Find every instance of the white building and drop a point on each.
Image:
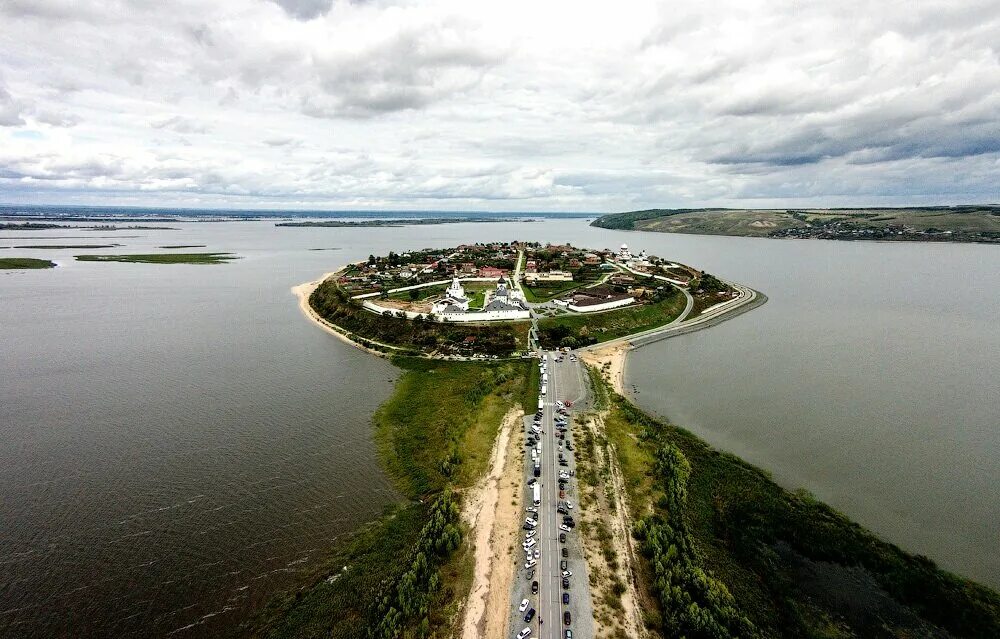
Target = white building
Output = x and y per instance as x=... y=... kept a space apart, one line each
x=454 y=300
x=502 y=304
x=595 y=305
x=551 y=276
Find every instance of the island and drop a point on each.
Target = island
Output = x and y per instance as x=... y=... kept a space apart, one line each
x=21 y=263
x=423 y=221
x=162 y=258
x=922 y=224
x=505 y=345
x=501 y=299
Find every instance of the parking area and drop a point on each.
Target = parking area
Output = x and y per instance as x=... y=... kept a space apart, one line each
x=551 y=574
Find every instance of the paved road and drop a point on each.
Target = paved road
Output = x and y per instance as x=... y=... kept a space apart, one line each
x=565 y=381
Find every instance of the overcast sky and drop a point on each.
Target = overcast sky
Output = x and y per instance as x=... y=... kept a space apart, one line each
x=540 y=105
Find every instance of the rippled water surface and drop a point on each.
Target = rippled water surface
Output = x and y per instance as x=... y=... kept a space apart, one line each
x=177 y=443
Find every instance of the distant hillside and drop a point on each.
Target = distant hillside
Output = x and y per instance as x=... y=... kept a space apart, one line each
x=941 y=223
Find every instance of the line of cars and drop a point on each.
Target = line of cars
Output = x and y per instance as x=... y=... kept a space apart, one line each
x=531 y=523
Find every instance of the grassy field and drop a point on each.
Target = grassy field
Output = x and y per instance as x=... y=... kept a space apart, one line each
x=18 y=263
x=793 y=566
x=422 y=293
x=434 y=434
x=964 y=222
x=162 y=258
x=546 y=291
x=601 y=327
x=439 y=425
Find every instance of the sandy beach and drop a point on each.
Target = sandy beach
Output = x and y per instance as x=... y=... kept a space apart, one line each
x=610 y=360
x=303 y=291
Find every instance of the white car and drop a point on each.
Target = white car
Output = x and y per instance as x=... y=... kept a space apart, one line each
x=564 y=528
x=524 y=633
x=567 y=573
x=569 y=504
x=538 y=553
x=529 y=543
x=530 y=563
x=523 y=606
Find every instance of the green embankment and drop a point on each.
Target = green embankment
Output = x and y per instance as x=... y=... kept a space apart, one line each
x=729 y=553
x=405 y=575
x=11 y=263
x=585 y=329
x=162 y=258
x=335 y=305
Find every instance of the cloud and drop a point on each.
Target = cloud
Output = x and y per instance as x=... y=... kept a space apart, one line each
x=470 y=105
x=408 y=70
x=179 y=124
x=10 y=109
x=305 y=9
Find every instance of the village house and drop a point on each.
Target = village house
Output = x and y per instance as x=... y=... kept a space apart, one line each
x=551 y=276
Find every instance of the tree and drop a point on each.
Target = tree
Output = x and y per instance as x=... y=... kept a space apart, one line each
x=414 y=294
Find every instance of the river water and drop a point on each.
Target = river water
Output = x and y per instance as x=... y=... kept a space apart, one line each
x=177 y=443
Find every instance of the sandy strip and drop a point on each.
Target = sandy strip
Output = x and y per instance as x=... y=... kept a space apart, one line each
x=303 y=291
x=610 y=360
x=491 y=511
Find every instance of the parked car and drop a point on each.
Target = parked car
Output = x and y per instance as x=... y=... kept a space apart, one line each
x=524 y=633
x=562 y=538
x=564 y=527
x=565 y=551
x=569 y=634
x=534 y=587
x=567 y=573
x=530 y=563
x=567 y=618
x=563 y=565
x=565 y=583
x=565 y=598
x=523 y=606
x=528 y=616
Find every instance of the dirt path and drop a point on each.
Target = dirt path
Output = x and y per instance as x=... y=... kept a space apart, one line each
x=491 y=511
x=608 y=542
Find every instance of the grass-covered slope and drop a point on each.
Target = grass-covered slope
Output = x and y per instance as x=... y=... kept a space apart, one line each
x=729 y=553
x=932 y=223
x=590 y=328
x=405 y=575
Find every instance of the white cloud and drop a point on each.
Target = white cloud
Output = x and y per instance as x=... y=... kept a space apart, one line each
x=520 y=105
